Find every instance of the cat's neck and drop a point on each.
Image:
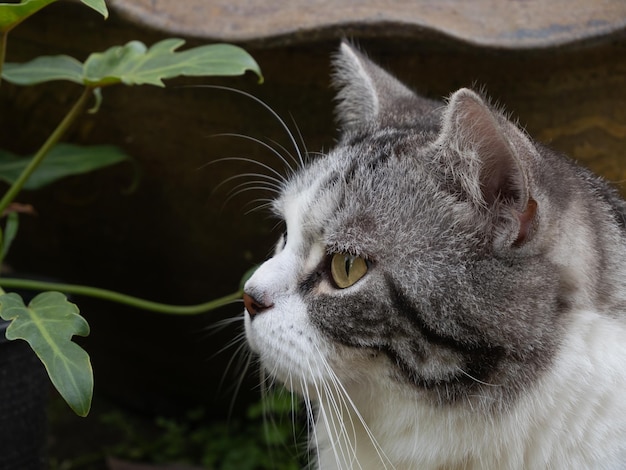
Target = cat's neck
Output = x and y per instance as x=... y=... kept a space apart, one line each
x=393 y=429
x=584 y=238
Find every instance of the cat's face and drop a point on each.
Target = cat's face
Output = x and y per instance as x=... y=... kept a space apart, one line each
x=416 y=252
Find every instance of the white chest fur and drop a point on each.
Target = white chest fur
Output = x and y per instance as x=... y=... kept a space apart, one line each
x=574 y=418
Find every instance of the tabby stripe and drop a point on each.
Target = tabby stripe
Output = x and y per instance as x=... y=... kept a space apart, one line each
x=481 y=361
x=405 y=307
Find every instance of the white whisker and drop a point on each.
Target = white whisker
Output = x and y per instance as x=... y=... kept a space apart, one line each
x=241 y=191
x=238 y=340
x=257 y=185
x=268 y=108
x=295 y=124
x=385 y=461
x=282 y=147
x=271 y=181
x=220 y=325
x=476 y=380
x=265 y=145
x=244 y=357
x=267 y=203
x=244 y=159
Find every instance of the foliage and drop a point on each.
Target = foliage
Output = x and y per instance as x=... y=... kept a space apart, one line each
x=62 y=160
x=264 y=440
x=49 y=322
x=13 y=14
x=67 y=364
x=134 y=64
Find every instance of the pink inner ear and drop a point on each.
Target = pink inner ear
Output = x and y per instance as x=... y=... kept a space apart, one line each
x=478 y=128
x=526 y=222
x=498 y=175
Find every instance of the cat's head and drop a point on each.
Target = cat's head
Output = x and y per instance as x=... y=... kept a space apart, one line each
x=419 y=252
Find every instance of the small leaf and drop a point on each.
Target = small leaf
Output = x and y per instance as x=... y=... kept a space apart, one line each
x=10 y=231
x=63 y=160
x=48 y=324
x=97 y=5
x=97 y=98
x=13 y=14
x=43 y=69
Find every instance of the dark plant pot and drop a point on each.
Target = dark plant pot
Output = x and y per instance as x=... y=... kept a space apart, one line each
x=23 y=396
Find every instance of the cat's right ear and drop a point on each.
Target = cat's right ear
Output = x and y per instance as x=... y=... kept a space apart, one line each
x=491 y=158
x=366 y=93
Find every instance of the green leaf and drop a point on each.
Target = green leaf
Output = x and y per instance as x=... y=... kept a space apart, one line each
x=135 y=64
x=97 y=5
x=10 y=231
x=63 y=160
x=13 y=14
x=44 y=69
x=108 y=67
x=48 y=324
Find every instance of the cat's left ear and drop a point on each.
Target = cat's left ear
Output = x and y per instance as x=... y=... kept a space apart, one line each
x=366 y=93
x=490 y=158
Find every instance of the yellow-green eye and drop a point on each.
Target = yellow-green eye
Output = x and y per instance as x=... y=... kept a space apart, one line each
x=347 y=269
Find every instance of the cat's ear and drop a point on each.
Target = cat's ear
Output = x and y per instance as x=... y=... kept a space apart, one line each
x=365 y=91
x=491 y=159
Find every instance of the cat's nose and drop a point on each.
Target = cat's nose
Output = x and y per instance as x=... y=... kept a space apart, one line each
x=254 y=306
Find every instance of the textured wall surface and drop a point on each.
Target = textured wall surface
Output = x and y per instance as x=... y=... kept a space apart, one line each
x=494 y=23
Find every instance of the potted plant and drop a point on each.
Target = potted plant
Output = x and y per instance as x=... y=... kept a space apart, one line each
x=49 y=321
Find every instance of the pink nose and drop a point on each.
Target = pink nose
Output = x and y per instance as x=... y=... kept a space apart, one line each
x=253 y=306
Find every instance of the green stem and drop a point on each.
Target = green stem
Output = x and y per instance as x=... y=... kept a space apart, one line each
x=56 y=135
x=3 y=50
x=113 y=296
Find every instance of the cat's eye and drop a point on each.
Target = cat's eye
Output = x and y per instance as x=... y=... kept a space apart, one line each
x=347 y=269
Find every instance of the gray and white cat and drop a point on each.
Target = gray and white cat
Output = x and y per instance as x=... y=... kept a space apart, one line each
x=450 y=294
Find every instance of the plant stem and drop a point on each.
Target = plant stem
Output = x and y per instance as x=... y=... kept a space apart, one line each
x=3 y=50
x=113 y=296
x=56 y=135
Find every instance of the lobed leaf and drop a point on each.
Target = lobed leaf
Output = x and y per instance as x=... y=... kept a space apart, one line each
x=63 y=160
x=136 y=64
x=48 y=324
x=44 y=69
x=108 y=67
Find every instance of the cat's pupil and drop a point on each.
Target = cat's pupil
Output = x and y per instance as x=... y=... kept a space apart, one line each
x=348 y=265
x=347 y=269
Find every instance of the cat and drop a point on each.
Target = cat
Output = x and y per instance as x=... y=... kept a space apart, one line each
x=449 y=293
